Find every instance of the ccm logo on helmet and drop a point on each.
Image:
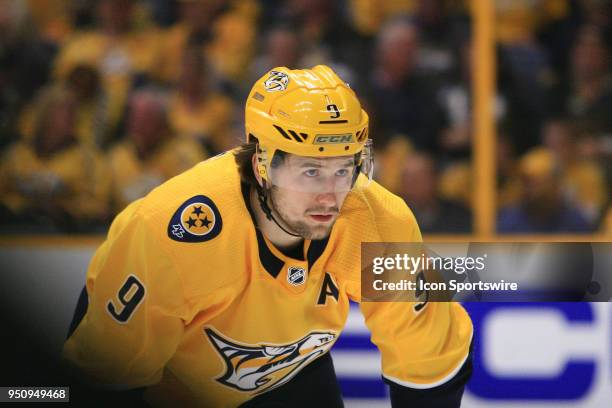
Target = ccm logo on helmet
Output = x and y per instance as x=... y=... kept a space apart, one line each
x=334 y=139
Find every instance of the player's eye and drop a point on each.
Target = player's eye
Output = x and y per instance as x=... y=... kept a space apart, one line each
x=342 y=173
x=311 y=173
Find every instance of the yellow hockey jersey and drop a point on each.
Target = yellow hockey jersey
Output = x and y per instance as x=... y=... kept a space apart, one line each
x=188 y=297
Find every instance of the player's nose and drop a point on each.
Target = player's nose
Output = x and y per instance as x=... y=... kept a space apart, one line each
x=326 y=199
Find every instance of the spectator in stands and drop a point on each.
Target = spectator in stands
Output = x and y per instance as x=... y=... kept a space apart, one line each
x=52 y=182
x=150 y=153
x=598 y=13
x=25 y=62
x=419 y=189
x=509 y=184
x=456 y=98
x=328 y=37
x=197 y=108
x=404 y=101
x=368 y=16
x=395 y=52
x=518 y=21
x=193 y=29
x=543 y=208
x=390 y=161
x=582 y=181
x=285 y=47
x=590 y=96
x=52 y=19
x=524 y=71
x=223 y=30
x=92 y=110
x=443 y=30
x=282 y=48
x=455 y=182
x=124 y=56
x=93 y=115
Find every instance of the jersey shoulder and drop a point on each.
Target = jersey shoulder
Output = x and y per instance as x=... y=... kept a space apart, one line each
x=370 y=213
x=196 y=219
x=391 y=216
x=216 y=178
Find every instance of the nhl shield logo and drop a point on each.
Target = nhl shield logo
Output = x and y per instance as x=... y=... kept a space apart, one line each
x=296 y=275
x=277 y=81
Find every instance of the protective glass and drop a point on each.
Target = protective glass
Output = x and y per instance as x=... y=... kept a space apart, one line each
x=320 y=174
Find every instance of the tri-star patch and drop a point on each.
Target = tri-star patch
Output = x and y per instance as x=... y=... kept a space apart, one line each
x=196 y=220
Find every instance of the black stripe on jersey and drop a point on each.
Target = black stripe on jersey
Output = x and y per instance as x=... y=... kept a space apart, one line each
x=245 y=189
x=316 y=250
x=272 y=264
x=79 y=312
x=447 y=395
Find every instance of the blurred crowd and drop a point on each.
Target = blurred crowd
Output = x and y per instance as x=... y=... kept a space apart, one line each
x=102 y=100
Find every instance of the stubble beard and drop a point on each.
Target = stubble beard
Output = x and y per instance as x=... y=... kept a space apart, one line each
x=307 y=231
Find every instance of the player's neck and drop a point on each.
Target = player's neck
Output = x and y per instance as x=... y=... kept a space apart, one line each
x=270 y=230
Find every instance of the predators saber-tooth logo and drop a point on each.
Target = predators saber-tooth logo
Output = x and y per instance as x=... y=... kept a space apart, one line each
x=277 y=81
x=262 y=367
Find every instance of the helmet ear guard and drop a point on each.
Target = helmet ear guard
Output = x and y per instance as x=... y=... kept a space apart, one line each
x=262 y=162
x=366 y=160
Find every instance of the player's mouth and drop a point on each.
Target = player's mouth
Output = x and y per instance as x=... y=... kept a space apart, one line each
x=322 y=217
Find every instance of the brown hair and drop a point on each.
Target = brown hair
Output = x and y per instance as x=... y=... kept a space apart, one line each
x=243 y=156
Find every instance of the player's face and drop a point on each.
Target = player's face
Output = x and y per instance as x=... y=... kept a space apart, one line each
x=307 y=193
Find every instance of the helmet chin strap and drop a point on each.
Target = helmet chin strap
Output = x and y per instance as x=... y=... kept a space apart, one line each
x=263 y=202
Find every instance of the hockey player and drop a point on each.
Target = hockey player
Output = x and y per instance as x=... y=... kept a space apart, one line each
x=227 y=285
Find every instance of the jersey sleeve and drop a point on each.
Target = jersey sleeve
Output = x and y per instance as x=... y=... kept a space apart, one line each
x=425 y=351
x=420 y=350
x=135 y=308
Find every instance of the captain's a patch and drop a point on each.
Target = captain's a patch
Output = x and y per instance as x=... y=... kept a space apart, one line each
x=196 y=220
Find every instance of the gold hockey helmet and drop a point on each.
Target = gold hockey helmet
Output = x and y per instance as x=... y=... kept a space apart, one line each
x=310 y=113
